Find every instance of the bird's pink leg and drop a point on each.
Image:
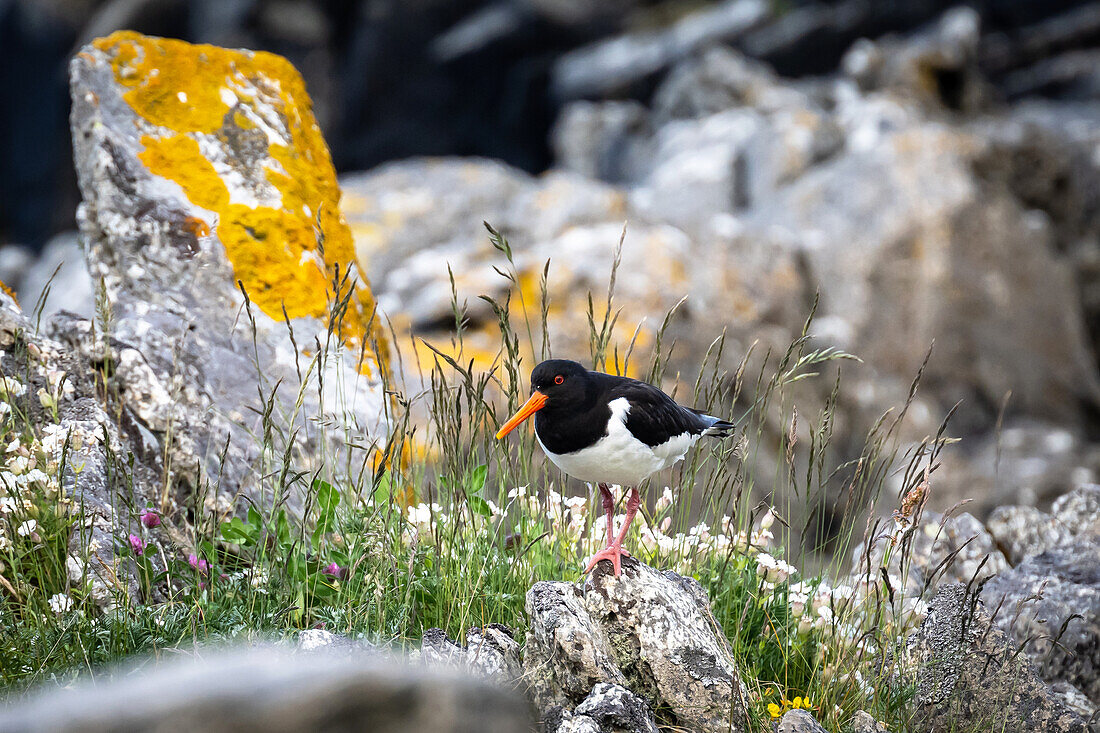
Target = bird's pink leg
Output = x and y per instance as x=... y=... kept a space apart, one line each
x=609 y=510
x=614 y=551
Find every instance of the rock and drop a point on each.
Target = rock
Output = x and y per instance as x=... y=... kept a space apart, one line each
x=864 y=722
x=936 y=66
x=1025 y=531
x=966 y=668
x=616 y=709
x=202 y=168
x=1049 y=605
x=1075 y=700
x=609 y=67
x=15 y=260
x=53 y=362
x=799 y=721
x=321 y=641
x=649 y=632
x=262 y=690
x=61 y=268
x=491 y=652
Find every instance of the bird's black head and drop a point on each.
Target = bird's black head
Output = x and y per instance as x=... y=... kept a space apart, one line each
x=564 y=382
x=555 y=384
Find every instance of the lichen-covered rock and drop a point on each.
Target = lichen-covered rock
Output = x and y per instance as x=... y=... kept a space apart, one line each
x=617 y=710
x=1050 y=605
x=490 y=652
x=100 y=436
x=966 y=668
x=203 y=173
x=566 y=652
x=799 y=721
x=647 y=631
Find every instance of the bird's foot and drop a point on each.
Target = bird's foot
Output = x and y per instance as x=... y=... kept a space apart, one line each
x=613 y=552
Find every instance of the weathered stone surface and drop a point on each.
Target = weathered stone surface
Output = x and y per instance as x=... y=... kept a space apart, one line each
x=799 y=721
x=1050 y=605
x=647 y=631
x=201 y=168
x=966 y=668
x=617 y=710
x=566 y=652
x=263 y=690
x=1024 y=531
x=490 y=652
x=864 y=722
x=100 y=442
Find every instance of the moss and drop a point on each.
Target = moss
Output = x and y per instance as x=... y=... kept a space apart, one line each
x=287 y=256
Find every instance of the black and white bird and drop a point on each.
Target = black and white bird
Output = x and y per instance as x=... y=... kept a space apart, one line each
x=609 y=430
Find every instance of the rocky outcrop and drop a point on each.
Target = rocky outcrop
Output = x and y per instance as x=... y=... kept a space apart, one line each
x=490 y=651
x=1050 y=606
x=647 y=631
x=966 y=668
x=210 y=219
x=264 y=690
x=752 y=195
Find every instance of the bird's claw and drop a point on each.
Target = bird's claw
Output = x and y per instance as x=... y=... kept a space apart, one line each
x=613 y=552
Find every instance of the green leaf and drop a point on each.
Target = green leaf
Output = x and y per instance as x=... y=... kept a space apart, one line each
x=328 y=497
x=477 y=479
x=479 y=505
x=236 y=531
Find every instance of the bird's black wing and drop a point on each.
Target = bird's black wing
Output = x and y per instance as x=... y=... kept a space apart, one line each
x=654 y=417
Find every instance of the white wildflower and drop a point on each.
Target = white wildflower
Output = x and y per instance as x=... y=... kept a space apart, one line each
x=11 y=387
x=665 y=500
x=772 y=569
x=8 y=505
x=46 y=399
x=5 y=409
x=5 y=543
x=805 y=623
x=60 y=603
x=35 y=476
x=27 y=528
x=517 y=493
x=767 y=520
x=18 y=464
x=53 y=438
x=577 y=505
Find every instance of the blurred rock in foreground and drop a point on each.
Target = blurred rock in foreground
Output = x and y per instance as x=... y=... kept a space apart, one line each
x=262 y=690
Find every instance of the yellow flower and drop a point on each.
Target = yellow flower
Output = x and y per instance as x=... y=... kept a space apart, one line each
x=796 y=703
x=774 y=710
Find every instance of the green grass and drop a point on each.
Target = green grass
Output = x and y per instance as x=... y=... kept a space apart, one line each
x=448 y=527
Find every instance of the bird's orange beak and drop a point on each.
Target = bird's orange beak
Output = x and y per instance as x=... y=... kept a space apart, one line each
x=530 y=407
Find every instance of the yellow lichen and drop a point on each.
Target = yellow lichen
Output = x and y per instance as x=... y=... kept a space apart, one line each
x=286 y=255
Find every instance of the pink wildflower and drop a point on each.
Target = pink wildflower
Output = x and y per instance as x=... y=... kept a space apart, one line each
x=137 y=544
x=150 y=518
x=198 y=563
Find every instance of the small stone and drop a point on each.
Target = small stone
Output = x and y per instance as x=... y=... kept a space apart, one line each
x=799 y=721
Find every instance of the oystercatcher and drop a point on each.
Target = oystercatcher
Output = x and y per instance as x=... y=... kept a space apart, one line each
x=609 y=430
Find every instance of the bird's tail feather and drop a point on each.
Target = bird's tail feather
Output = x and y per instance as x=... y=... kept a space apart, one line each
x=719 y=428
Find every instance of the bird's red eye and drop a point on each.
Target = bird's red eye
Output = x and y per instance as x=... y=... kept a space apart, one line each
x=559 y=379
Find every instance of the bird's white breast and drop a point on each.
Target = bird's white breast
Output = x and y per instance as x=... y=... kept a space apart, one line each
x=619 y=457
